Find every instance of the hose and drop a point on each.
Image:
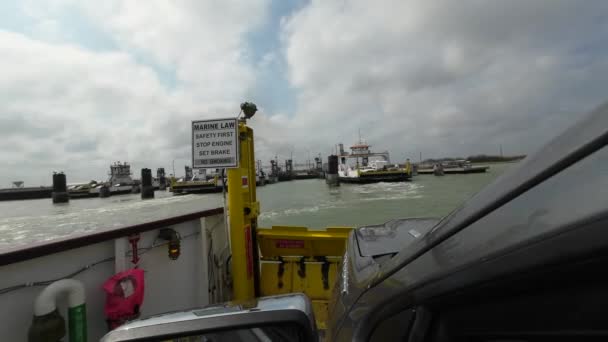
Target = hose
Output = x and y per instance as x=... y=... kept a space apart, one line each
x=47 y=321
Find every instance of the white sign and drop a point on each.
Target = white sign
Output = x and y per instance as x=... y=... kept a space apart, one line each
x=215 y=144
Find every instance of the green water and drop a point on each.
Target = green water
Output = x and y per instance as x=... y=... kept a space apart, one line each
x=304 y=202
x=312 y=203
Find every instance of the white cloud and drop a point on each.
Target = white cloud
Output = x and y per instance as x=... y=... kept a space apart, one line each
x=73 y=109
x=63 y=105
x=203 y=41
x=444 y=78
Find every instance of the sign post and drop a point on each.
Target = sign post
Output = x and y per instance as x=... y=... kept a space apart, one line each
x=243 y=211
x=228 y=143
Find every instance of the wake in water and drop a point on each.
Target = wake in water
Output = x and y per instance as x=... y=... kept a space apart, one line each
x=327 y=205
x=383 y=187
x=49 y=222
x=349 y=195
x=306 y=202
x=388 y=191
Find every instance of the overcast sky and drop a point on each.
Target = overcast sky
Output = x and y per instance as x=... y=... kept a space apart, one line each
x=85 y=83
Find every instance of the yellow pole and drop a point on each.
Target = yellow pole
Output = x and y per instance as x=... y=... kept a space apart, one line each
x=243 y=210
x=252 y=216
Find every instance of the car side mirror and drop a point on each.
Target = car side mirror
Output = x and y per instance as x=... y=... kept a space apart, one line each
x=277 y=318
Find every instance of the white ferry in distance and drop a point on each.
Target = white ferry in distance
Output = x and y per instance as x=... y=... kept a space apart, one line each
x=363 y=166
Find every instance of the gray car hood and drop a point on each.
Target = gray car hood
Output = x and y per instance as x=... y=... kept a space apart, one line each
x=392 y=236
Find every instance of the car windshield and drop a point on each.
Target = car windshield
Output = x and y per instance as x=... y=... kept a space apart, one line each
x=460 y=92
x=131 y=127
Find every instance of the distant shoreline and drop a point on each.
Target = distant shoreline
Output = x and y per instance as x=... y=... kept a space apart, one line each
x=497 y=162
x=475 y=159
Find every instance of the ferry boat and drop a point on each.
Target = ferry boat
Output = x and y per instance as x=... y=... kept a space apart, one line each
x=364 y=166
x=119 y=183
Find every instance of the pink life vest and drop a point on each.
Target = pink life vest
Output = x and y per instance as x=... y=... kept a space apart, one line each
x=124 y=296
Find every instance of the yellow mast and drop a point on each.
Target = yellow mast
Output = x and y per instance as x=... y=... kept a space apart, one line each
x=243 y=211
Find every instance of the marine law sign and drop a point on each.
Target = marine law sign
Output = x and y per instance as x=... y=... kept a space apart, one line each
x=215 y=144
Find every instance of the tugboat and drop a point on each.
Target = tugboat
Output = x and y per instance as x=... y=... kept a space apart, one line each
x=368 y=167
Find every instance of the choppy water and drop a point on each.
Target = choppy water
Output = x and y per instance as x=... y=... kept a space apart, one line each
x=304 y=202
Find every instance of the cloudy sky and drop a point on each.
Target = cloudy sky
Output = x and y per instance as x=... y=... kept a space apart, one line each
x=85 y=83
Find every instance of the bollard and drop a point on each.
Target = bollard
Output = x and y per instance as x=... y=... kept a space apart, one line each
x=188 y=173
x=60 y=188
x=104 y=191
x=162 y=180
x=331 y=178
x=147 y=188
x=289 y=168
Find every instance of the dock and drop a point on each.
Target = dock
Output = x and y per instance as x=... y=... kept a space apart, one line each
x=456 y=170
x=11 y=194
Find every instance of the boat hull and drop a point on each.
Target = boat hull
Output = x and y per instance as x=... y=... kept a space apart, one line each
x=307 y=176
x=205 y=190
x=124 y=190
x=285 y=178
x=194 y=188
x=82 y=194
x=121 y=192
x=376 y=178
